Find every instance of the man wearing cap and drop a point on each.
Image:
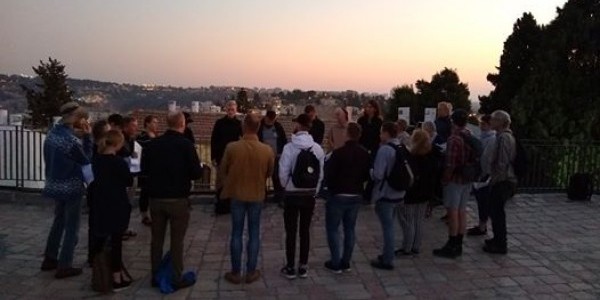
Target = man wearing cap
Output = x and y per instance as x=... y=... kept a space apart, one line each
x=67 y=148
x=456 y=188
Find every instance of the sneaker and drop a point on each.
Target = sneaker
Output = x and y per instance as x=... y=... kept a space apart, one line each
x=476 y=231
x=415 y=251
x=345 y=267
x=67 y=272
x=183 y=284
x=117 y=287
x=303 y=271
x=444 y=218
x=329 y=266
x=234 y=277
x=49 y=264
x=252 y=276
x=378 y=264
x=288 y=272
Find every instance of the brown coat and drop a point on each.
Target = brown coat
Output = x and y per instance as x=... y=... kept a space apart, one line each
x=246 y=166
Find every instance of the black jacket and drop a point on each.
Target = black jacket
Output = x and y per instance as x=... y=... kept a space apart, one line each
x=426 y=169
x=347 y=169
x=109 y=203
x=317 y=130
x=444 y=129
x=189 y=134
x=170 y=163
x=370 y=133
x=143 y=138
x=281 y=137
x=225 y=131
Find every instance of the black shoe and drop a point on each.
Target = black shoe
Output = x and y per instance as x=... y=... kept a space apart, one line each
x=495 y=249
x=476 y=231
x=489 y=242
x=183 y=284
x=49 y=264
x=415 y=251
x=329 y=266
x=119 y=286
x=444 y=218
x=303 y=271
x=448 y=251
x=288 y=273
x=345 y=267
x=67 y=272
x=401 y=252
x=378 y=264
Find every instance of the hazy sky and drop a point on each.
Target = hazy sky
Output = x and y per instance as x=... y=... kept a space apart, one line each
x=368 y=46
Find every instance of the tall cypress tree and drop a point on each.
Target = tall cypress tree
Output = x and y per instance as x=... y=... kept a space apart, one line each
x=49 y=94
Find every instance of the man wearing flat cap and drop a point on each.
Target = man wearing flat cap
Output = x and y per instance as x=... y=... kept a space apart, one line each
x=67 y=148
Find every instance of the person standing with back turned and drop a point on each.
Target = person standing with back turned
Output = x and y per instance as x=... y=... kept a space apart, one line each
x=301 y=173
x=170 y=163
x=246 y=166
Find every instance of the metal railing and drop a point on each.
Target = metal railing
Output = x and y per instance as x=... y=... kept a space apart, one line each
x=550 y=164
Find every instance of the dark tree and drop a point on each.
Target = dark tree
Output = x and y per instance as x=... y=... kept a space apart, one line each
x=49 y=94
x=402 y=96
x=444 y=86
x=515 y=65
x=560 y=99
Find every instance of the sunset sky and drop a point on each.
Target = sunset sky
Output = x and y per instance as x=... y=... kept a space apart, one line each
x=368 y=46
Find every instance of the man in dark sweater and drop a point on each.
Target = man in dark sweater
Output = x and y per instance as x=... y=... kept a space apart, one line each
x=272 y=133
x=347 y=170
x=317 y=129
x=226 y=130
x=170 y=163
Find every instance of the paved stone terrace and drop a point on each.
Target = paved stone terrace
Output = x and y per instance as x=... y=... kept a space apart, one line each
x=554 y=254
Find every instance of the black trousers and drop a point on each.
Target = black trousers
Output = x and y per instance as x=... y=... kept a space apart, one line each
x=499 y=193
x=483 y=203
x=116 y=249
x=298 y=209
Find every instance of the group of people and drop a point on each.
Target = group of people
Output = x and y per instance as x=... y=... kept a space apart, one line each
x=369 y=161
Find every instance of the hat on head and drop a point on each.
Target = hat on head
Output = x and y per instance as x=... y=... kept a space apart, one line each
x=303 y=120
x=68 y=108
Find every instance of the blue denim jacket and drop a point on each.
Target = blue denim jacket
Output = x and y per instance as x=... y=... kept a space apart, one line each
x=384 y=160
x=64 y=155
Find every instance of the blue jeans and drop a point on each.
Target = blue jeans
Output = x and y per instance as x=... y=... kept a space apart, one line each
x=239 y=211
x=386 y=211
x=67 y=217
x=341 y=209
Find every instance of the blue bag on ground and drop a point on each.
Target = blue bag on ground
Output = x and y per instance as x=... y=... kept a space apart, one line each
x=164 y=276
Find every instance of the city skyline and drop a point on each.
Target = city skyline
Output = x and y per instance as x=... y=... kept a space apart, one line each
x=334 y=45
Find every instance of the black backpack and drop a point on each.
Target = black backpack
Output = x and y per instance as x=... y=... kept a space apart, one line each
x=471 y=170
x=401 y=176
x=581 y=187
x=307 y=170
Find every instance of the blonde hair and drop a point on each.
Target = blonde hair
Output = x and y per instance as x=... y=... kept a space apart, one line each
x=112 y=138
x=420 y=142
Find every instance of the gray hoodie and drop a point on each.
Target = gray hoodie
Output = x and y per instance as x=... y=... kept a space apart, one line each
x=300 y=140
